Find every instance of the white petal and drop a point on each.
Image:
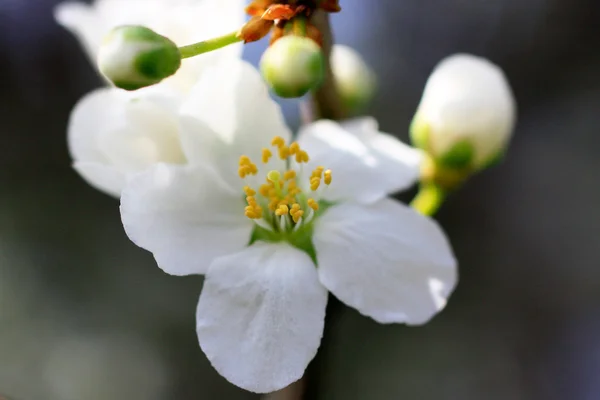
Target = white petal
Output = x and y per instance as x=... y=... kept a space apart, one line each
x=185 y=216
x=112 y=134
x=233 y=102
x=102 y=177
x=392 y=154
x=150 y=135
x=96 y=112
x=261 y=314
x=386 y=260
x=362 y=168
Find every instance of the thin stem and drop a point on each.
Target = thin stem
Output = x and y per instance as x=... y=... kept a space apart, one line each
x=205 y=46
x=429 y=199
x=327 y=102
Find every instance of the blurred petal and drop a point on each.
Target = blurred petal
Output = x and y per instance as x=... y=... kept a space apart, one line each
x=237 y=116
x=361 y=170
x=386 y=260
x=261 y=314
x=185 y=216
x=105 y=178
x=98 y=111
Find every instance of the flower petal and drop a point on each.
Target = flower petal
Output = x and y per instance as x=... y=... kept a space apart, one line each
x=366 y=165
x=260 y=316
x=98 y=111
x=185 y=216
x=233 y=102
x=386 y=260
x=103 y=177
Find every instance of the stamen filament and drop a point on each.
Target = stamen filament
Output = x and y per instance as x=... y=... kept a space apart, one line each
x=205 y=46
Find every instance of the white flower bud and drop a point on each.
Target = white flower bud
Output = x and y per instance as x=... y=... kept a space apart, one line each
x=466 y=115
x=293 y=65
x=133 y=57
x=354 y=79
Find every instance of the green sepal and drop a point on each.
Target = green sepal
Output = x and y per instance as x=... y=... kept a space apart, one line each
x=460 y=156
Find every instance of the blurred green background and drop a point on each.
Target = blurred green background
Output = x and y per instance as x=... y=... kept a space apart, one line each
x=86 y=315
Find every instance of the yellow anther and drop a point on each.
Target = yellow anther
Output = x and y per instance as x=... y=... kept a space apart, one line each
x=295 y=207
x=251 y=200
x=274 y=176
x=249 y=191
x=266 y=155
x=273 y=204
x=291 y=174
x=318 y=172
x=278 y=141
x=327 y=178
x=297 y=215
x=245 y=160
x=294 y=148
x=264 y=189
x=313 y=204
x=315 y=183
x=282 y=210
x=284 y=152
x=302 y=156
x=253 y=168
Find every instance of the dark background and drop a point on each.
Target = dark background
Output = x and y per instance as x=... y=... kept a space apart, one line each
x=86 y=315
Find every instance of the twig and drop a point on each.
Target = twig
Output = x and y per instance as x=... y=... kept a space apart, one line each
x=326 y=101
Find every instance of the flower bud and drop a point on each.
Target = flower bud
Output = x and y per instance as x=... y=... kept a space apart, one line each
x=133 y=57
x=354 y=79
x=466 y=115
x=293 y=65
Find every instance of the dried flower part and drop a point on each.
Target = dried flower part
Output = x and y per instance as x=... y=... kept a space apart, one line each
x=255 y=29
x=281 y=11
x=258 y=7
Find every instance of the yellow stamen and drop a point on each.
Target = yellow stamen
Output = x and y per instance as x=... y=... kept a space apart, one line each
x=327 y=178
x=264 y=189
x=313 y=204
x=315 y=183
x=294 y=148
x=297 y=215
x=284 y=152
x=282 y=210
x=278 y=141
x=249 y=191
x=318 y=172
x=289 y=175
x=266 y=155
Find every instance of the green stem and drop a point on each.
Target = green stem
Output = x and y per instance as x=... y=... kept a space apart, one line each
x=429 y=199
x=205 y=46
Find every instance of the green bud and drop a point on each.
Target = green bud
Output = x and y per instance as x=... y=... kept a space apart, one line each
x=354 y=79
x=133 y=57
x=292 y=66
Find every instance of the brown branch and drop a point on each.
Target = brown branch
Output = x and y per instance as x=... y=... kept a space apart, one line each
x=295 y=391
x=326 y=100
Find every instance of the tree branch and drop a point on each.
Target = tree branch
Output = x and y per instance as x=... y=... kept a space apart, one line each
x=326 y=101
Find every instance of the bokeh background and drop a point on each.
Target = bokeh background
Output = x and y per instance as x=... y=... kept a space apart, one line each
x=86 y=315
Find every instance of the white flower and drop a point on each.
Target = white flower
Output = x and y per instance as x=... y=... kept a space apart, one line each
x=467 y=112
x=274 y=242
x=183 y=21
